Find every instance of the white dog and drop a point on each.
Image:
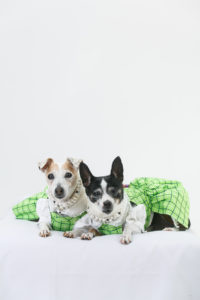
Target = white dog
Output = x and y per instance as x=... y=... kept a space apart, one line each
x=66 y=194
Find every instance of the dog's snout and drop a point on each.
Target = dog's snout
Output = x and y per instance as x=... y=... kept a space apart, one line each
x=59 y=192
x=107 y=204
x=107 y=207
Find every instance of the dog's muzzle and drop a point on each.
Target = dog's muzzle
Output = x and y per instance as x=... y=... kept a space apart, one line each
x=59 y=192
x=107 y=207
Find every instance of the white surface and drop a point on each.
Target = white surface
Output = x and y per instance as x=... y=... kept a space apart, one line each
x=159 y=265
x=95 y=79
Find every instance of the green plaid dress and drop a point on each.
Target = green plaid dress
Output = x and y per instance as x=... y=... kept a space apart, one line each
x=26 y=210
x=107 y=229
x=161 y=196
x=158 y=195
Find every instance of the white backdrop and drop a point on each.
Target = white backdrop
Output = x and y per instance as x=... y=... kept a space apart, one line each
x=96 y=79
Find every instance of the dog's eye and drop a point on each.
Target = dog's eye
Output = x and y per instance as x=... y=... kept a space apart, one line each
x=112 y=191
x=97 y=193
x=51 y=176
x=68 y=175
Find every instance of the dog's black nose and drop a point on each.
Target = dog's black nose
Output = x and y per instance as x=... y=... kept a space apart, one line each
x=107 y=207
x=107 y=204
x=59 y=192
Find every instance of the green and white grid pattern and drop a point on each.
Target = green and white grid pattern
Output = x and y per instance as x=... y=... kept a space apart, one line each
x=107 y=229
x=161 y=196
x=26 y=209
x=61 y=223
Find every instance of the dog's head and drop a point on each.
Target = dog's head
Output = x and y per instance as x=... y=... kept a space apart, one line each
x=61 y=179
x=105 y=192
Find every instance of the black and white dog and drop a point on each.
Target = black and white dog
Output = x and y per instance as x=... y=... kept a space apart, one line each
x=108 y=204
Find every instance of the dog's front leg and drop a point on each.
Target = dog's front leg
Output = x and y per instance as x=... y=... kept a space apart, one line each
x=90 y=234
x=130 y=228
x=75 y=233
x=126 y=237
x=134 y=223
x=83 y=228
x=85 y=233
x=44 y=215
x=44 y=229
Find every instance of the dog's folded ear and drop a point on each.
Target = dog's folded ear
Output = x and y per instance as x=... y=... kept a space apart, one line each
x=117 y=169
x=74 y=161
x=45 y=164
x=85 y=174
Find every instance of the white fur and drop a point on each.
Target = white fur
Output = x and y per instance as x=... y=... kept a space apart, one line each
x=76 y=162
x=105 y=197
x=135 y=222
x=45 y=206
x=60 y=180
x=87 y=236
x=42 y=163
x=44 y=230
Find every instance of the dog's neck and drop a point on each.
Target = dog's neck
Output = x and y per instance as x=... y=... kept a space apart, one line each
x=117 y=216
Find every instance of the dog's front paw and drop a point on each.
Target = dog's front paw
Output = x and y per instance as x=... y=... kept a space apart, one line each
x=126 y=239
x=68 y=234
x=87 y=236
x=44 y=232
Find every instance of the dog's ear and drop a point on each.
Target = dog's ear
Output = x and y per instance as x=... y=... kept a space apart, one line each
x=45 y=164
x=85 y=174
x=74 y=162
x=117 y=169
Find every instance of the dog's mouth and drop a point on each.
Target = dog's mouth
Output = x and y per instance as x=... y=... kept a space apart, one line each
x=60 y=196
x=107 y=210
x=107 y=207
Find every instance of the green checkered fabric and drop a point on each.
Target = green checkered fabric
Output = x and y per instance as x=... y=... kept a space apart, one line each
x=26 y=210
x=61 y=223
x=160 y=196
x=107 y=229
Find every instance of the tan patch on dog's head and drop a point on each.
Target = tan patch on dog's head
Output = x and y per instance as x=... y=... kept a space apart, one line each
x=68 y=166
x=48 y=165
x=52 y=167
